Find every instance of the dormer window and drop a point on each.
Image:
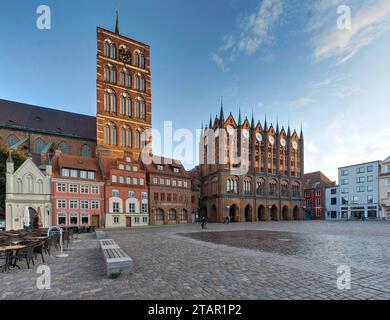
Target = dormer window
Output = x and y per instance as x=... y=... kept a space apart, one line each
x=160 y=168
x=176 y=170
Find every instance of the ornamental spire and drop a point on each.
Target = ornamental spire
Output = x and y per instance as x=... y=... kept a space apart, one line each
x=117 y=23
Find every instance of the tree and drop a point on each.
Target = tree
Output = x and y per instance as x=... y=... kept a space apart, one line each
x=18 y=158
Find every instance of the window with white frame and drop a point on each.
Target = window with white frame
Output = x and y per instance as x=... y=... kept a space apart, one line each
x=91 y=175
x=136 y=219
x=115 y=193
x=135 y=169
x=84 y=219
x=174 y=182
x=61 y=187
x=73 y=173
x=115 y=220
x=144 y=195
x=370 y=178
x=144 y=208
x=185 y=184
x=83 y=174
x=180 y=183
x=115 y=207
x=74 y=219
x=121 y=179
x=73 y=204
x=95 y=204
x=318 y=202
x=168 y=182
x=84 y=189
x=132 y=207
x=141 y=181
x=65 y=172
x=370 y=188
x=162 y=181
x=145 y=219
x=160 y=168
x=95 y=189
x=135 y=181
x=131 y=194
x=73 y=188
x=61 y=219
x=128 y=180
x=128 y=168
x=121 y=167
x=114 y=178
x=61 y=204
x=176 y=170
x=155 y=180
x=84 y=204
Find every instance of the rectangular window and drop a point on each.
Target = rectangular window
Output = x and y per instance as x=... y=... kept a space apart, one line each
x=344 y=200
x=144 y=207
x=144 y=195
x=83 y=174
x=370 y=188
x=174 y=183
x=74 y=219
x=132 y=207
x=168 y=182
x=354 y=200
x=145 y=219
x=180 y=183
x=84 y=204
x=61 y=187
x=65 y=172
x=333 y=201
x=156 y=196
x=344 y=172
x=370 y=178
x=360 y=170
x=61 y=219
x=162 y=196
x=136 y=219
x=388 y=182
x=176 y=170
x=360 y=189
x=73 y=204
x=370 y=169
x=115 y=207
x=128 y=180
x=85 y=219
x=318 y=212
x=95 y=190
x=155 y=180
x=121 y=179
x=73 y=173
x=131 y=194
x=84 y=189
x=114 y=179
x=161 y=181
x=370 y=199
x=160 y=168
x=344 y=190
x=95 y=204
x=169 y=197
x=61 y=204
x=115 y=220
x=135 y=181
x=91 y=175
x=333 y=191
x=115 y=193
x=344 y=182
x=73 y=188
x=361 y=179
x=141 y=182
x=318 y=193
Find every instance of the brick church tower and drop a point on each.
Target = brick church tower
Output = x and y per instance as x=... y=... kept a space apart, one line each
x=123 y=86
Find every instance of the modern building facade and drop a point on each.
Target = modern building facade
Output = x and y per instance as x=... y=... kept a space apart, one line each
x=384 y=186
x=170 y=191
x=359 y=191
x=28 y=187
x=315 y=195
x=77 y=190
x=251 y=172
x=332 y=203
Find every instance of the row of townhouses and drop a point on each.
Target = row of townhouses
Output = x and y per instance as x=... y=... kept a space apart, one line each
x=362 y=192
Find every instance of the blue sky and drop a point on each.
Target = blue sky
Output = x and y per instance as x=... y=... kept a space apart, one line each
x=283 y=58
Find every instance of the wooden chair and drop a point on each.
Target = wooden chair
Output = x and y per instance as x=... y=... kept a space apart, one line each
x=26 y=253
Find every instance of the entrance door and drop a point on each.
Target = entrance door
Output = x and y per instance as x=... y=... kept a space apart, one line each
x=95 y=221
x=128 y=222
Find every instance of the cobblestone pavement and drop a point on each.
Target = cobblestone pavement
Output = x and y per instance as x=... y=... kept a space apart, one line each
x=273 y=260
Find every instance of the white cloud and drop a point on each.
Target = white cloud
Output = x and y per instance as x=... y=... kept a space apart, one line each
x=368 y=22
x=345 y=91
x=219 y=62
x=299 y=103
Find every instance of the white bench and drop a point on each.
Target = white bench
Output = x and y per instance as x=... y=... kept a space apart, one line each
x=116 y=260
x=100 y=234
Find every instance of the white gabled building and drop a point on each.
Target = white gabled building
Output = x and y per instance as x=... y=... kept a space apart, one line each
x=27 y=187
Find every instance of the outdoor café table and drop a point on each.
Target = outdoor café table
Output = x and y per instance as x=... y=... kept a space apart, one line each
x=8 y=250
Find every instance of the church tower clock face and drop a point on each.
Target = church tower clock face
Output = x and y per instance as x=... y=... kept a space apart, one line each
x=259 y=137
x=283 y=142
x=271 y=140
x=245 y=133
x=295 y=145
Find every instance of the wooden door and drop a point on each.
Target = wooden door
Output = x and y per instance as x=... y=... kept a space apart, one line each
x=128 y=222
x=95 y=221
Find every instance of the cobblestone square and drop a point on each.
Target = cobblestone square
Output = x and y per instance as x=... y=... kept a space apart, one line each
x=272 y=260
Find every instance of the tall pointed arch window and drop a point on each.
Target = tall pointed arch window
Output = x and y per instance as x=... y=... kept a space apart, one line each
x=129 y=138
x=129 y=82
x=86 y=151
x=113 y=50
x=107 y=73
x=39 y=144
x=123 y=137
x=114 y=135
x=122 y=78
x=12 y=140
x=65 y=149
x=129 y=106
x=138 y=139
x=113 y=102
x=122 y=105
x=107 y=102
x=108 y=134
x=137 y=108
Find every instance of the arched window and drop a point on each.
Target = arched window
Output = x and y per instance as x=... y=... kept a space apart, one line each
x=113 y=50
x=129 y=82
x=107 y=102
x=172 y=215
x=138 y=139
x=137 y=108
x=108 y=134
x=123 y=105
x=183 y=215
x=136 y=59
x=143 y=84
x=86 y=151
x=159 y=215
x=114 y=135
x=129 y=107
x=107 y=73
x=113 y=102
x=12 y=140
x=129 y=138
x=142 y=56
x=143 y=109
x=143 y=139
x=65 y=149
x=39 y=145
x=137 y=82
x=113 y=74
x=106 y=49
x=123 y=137
x=122 y=78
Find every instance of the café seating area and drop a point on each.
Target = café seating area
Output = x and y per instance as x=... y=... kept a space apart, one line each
x=24 y=249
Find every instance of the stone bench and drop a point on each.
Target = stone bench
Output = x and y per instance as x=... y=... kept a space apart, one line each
x=100 y=234
x=116 y=260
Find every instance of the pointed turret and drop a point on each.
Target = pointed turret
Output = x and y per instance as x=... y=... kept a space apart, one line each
x=221 y=115
x=277 y=125
x=252 y=121
x=265 y=124
x=289 y=130
x=301 y=134
x=211 y=122
x=239 y=117
x=9 y=159
x=10 y=164
x=117 y=23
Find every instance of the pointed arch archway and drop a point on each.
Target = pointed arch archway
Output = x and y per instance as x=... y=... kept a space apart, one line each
x=296 y=213
x=261 y=213
x=248 y=213
x=274 y=213
x=234 y=213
